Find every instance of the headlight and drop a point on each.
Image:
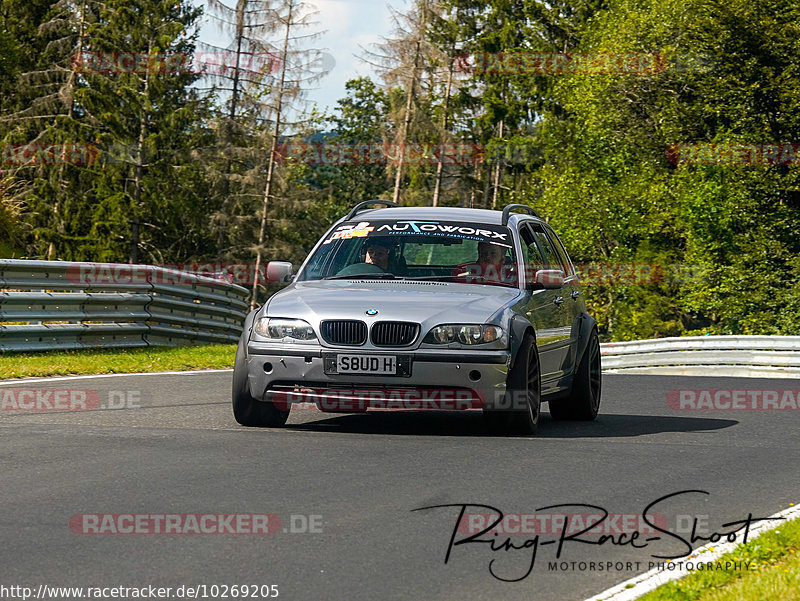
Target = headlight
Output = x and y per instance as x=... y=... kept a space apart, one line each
x=277 y=328
x=465 y=334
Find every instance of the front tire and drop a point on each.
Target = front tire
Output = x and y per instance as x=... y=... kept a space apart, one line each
x=522 y=402
x=583 y=402
x=247 y=410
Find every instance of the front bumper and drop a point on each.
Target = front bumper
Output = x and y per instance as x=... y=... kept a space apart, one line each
x=272 y=370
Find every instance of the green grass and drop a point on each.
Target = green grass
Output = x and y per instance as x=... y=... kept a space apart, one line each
x=111 y=361
x=773 y=576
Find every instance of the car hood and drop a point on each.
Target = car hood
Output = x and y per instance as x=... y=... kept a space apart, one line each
x=428 y=303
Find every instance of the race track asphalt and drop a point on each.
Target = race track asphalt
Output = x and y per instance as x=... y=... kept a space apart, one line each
x=356 y=479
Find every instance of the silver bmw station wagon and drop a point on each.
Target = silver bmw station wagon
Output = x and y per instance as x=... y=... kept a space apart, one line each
x=424 y=308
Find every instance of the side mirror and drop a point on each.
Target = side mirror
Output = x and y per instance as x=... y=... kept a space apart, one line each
x=279 y=271
x=548 y=279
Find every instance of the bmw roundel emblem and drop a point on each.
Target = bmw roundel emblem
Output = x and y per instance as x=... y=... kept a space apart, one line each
x=372 y=312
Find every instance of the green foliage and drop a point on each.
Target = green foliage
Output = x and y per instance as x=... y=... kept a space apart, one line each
x=592 y=152
x=360 y=119
x=111 y=361
x=11 y=222
x=609 y=188
x=771 y=572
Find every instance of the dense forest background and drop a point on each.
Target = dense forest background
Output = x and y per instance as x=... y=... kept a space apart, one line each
x=658 y=134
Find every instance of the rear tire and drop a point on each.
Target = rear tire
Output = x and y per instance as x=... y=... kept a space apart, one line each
x=583 y=402
x=523 y=386
x=247 y=410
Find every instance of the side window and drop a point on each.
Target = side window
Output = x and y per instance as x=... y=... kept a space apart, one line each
x=550 y=256
x=568 y=269
x=532 y=254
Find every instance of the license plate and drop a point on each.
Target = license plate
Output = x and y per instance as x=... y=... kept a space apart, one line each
x=366 y=364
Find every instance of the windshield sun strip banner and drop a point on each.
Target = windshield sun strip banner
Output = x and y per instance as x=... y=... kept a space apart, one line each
x=408 y=227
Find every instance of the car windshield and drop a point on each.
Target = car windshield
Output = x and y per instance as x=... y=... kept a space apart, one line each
x=418 y=250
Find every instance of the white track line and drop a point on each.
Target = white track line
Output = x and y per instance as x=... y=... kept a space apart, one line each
x=159 y=373
x=644 y=583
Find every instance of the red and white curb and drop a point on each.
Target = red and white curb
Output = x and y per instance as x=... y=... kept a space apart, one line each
x=644 y=583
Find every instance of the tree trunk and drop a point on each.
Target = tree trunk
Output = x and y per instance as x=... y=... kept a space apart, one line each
x=487 y=183
x=137 y=181
x=62 y=184
x=240 y=8
x=498 y=171
x=440 y=162
x=398 y=180
x=271 y=165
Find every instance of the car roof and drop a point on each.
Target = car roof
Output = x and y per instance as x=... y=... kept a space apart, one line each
x=484 y=216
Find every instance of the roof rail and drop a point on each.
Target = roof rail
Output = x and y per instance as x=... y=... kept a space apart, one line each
x=362 y=205
x=509 y=208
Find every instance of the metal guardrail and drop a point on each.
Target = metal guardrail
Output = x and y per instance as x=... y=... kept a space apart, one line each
x=767 y=356
x=48 y=305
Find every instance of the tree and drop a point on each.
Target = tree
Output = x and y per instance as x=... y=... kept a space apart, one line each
x=43 y=120
x=401 y=60
x=612 y=191
x=298 y=68
x=449 y=32
x=245 y=71
x=360 y=119
x=11 y=220
x=153 y=112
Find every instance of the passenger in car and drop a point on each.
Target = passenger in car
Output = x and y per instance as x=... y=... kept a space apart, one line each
x=490 y=266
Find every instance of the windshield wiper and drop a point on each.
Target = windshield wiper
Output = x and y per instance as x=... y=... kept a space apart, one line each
x=366 y=276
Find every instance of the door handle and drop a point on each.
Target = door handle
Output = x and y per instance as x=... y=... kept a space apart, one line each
x=558 y=300
x=575 y=294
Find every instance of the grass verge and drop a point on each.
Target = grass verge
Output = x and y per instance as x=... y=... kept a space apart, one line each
x=112 y=361
x=773 y=574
